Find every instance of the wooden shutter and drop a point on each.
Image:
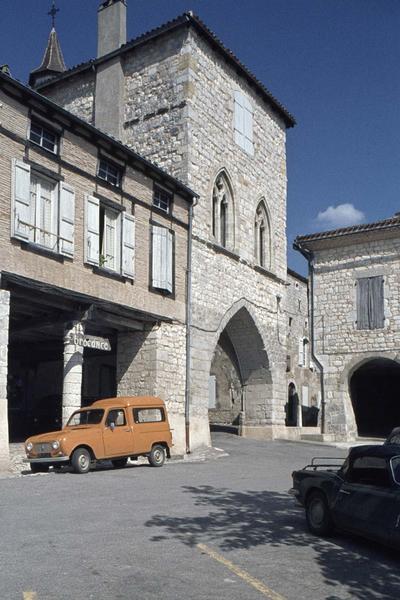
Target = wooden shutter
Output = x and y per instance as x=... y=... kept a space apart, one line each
x=22 y=215
x=128 y=245
x=66 y=219
x=92 y=230
x=376 y=303
x=162 y=258
x=362 y=303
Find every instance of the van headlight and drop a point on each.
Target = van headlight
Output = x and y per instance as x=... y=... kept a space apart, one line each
x=29 y=446
x=55 y=445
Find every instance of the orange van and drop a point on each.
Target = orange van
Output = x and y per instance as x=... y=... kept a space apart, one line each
x=114 y=429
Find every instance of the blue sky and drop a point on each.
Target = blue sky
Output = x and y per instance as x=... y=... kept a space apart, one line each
x=334 y=64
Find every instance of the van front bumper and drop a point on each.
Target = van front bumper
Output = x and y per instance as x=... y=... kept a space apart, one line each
x=54 y=459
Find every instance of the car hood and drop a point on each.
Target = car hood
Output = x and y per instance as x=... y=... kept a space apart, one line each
x=46 y=437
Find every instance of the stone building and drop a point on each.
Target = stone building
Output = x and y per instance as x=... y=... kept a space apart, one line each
x=303 y=406
x=93 y=269
x=355 y=311
x=180 y=98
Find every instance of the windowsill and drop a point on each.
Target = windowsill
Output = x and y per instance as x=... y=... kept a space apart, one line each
x=109 y=273
x=163 y=292
x=161 y=211
x=36 y=249
x=47 y=153
x=109 y=185
x=223 y=250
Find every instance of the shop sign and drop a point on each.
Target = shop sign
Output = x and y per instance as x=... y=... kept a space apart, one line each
x=90 y=341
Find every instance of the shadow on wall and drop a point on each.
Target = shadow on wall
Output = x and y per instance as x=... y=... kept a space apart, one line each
x=243 y=520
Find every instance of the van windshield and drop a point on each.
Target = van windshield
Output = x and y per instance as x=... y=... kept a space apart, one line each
x=86 y=417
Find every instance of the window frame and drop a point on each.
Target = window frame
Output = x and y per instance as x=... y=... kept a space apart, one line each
x=137 y=409
x=107 y=423
x=44 y=129
x=163 y=191
x=243 y=122
x=105 y=174
x=368 y=318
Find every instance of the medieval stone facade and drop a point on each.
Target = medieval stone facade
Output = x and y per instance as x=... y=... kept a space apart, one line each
x=356 y=317
x=190 y=106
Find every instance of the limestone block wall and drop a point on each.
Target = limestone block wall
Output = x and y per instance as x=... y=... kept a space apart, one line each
x=340 y=346
x=75 y=94
x=153 y=363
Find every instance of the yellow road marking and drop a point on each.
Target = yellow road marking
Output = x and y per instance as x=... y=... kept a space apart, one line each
x=30 y=595
x=255 y=583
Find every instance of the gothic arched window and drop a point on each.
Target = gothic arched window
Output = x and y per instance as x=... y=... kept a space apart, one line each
x=223 y=212
x=262 y=237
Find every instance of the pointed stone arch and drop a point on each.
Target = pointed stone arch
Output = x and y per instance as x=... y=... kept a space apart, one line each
x=263 y=247
x=223 y=217
x=241 y=367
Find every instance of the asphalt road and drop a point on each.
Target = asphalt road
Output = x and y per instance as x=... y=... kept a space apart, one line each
x=220 y=529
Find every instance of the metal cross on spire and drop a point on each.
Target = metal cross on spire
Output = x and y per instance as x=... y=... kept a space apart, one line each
x=53 y=12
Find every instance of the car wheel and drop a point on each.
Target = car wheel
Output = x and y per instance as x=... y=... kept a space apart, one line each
x=37 y=468
x=119 y=463
x=157 y=456
x=318 y=516
x=81 y=460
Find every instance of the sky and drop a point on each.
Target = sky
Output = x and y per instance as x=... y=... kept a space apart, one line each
x=334 y=64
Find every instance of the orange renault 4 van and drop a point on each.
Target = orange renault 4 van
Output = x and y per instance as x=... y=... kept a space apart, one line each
x=115 y=429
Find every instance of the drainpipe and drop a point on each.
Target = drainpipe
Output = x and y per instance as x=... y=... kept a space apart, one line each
x=188 y=325
x=309 y=256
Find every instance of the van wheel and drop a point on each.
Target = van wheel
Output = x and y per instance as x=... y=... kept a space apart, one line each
x=38 y=468
x=157 y=456
x=318 y=516
x=119 y=463
x=80 y=460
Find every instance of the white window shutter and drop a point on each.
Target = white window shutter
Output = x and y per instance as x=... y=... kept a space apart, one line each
x=92 y=230
x=66 y=219
x=21 y=219
x=248 y=125
x=169 y=253
x=239 y=118
x=301 y=352
x=128 y=245
x=162 y=259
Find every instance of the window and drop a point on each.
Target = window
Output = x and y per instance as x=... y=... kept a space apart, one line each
x=370 y=303
x=262 y=237
x=304 y=356
x=86 y=417
x=162 y=259
x=395 y=464
x=110 y=238
x=162 y=199
x=110 y=172
x=370 y=470
x=43 y=210
x=222 y=213
x=43 y=137
x=116 y=416
x=148 y=415
x=243 y=123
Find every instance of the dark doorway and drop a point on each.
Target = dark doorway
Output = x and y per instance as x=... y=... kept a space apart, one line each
x=292 y=406
x=374 y=393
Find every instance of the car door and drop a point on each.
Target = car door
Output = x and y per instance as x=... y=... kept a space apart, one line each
x=394 y=516
x=117 y=434
x=365 y=503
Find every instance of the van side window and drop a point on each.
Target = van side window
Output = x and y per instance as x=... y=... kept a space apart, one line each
x=116 y=416
x=148 y=415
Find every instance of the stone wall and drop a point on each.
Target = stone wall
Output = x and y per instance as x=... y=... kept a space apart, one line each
x=341 y=347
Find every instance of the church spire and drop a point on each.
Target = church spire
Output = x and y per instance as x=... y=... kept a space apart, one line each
x=53 y=60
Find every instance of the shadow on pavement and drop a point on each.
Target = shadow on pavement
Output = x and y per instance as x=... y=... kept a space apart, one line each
x=242 y=520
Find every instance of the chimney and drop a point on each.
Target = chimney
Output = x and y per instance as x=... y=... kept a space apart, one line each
x=111 y=26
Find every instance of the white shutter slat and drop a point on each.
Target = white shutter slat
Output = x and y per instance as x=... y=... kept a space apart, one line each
x=22 y=223
x=67 y=219
x=239 y=118
x=169 y=253
x=92 y=230
x=128 y=245
x=157 y=237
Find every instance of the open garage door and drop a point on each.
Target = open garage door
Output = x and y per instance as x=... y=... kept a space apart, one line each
x=374 y=389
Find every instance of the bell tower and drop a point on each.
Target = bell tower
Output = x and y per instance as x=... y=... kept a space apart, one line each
x=53 y=61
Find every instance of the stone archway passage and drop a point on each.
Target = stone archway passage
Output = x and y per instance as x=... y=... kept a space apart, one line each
x=374 y=389
x=241 y=374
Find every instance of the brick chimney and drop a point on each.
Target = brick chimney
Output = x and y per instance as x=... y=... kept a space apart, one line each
x=111 y=33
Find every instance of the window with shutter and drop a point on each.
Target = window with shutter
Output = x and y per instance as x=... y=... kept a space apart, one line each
x=243 y=122
x=67 y=220
x=370 y=303
x=162 y=259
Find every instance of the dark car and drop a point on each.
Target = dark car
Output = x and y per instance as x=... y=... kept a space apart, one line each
x=361 y=496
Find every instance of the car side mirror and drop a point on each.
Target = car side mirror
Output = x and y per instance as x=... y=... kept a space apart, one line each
x=112 y=425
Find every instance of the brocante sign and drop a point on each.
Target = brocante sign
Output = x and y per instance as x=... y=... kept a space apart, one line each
x=90 y=341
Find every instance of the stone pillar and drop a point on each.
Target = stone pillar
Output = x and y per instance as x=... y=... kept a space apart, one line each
x=73 y=361
x=4 y=323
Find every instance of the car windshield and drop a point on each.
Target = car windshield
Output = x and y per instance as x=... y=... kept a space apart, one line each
x=86 y=417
